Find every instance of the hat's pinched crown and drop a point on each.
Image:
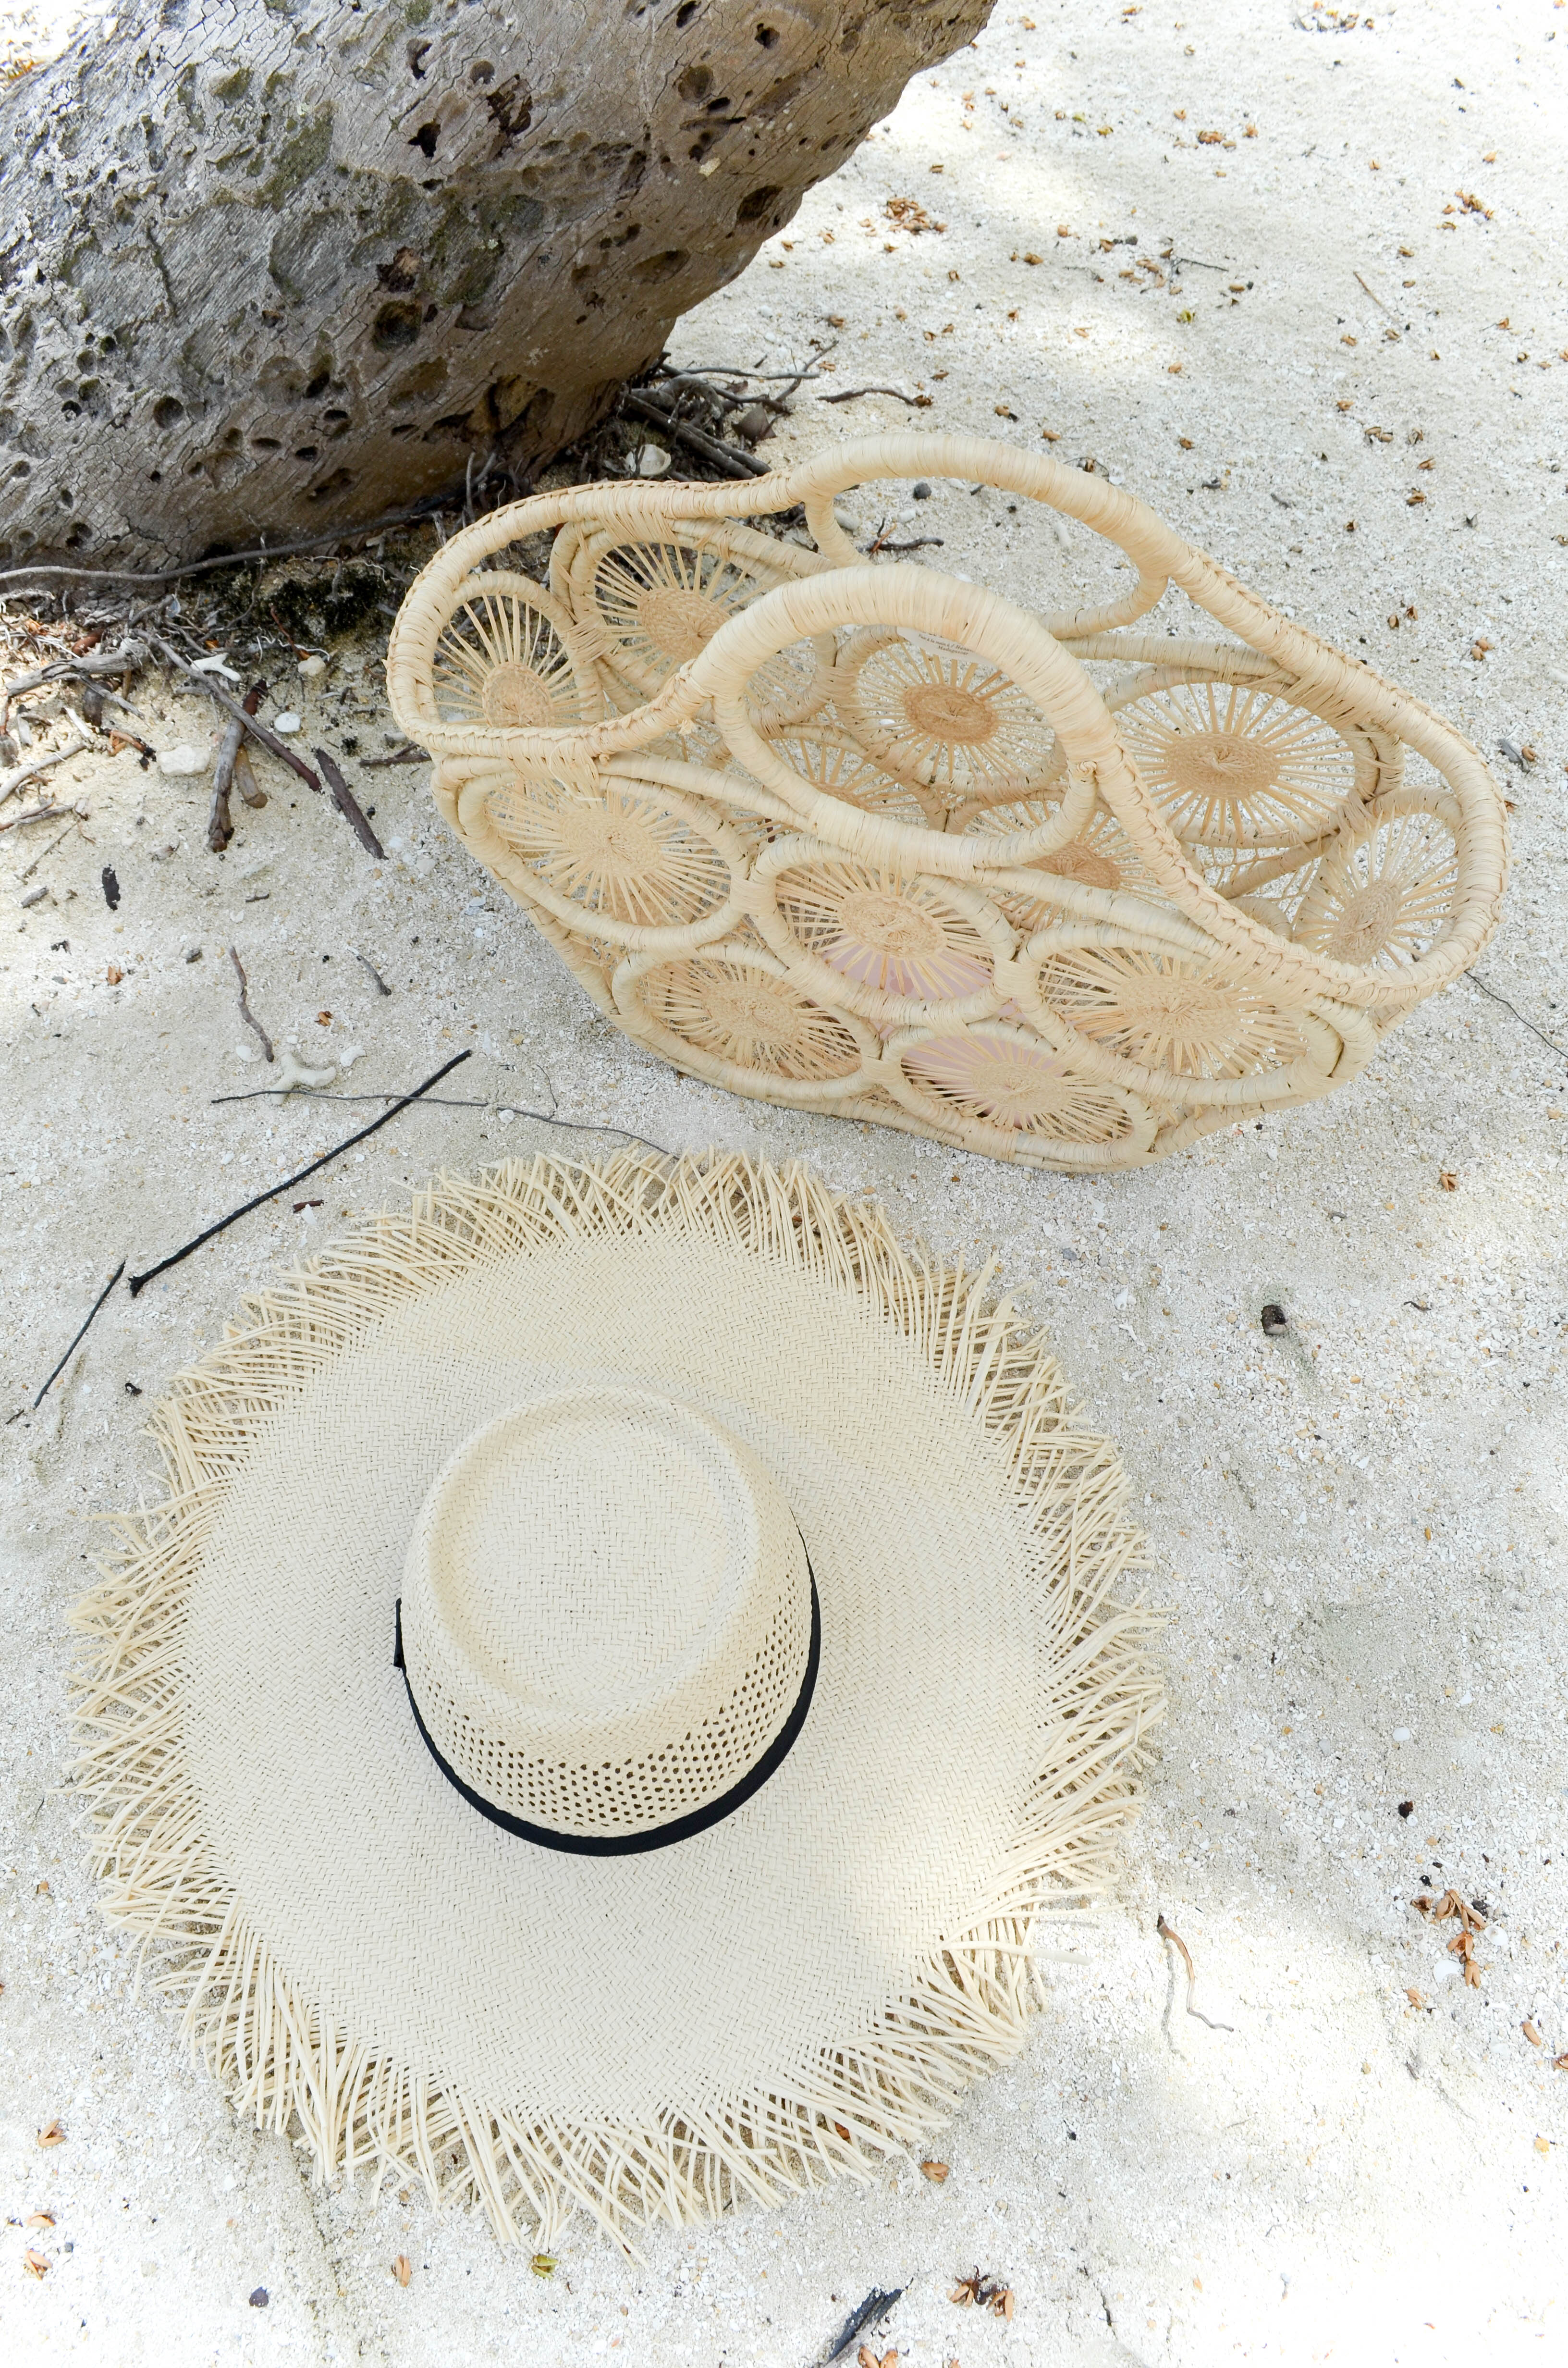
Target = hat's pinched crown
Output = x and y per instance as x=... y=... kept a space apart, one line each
x=607 y=1618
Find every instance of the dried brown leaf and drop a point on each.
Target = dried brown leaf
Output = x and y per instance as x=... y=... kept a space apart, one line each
x=35 y=2265
x=52 y=2136
x=403 y=2268
x=1531 y=2033
x=935 y=2171
x=40 y=2219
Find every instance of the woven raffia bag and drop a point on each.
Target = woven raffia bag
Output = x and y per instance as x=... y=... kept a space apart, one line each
x=872 y=840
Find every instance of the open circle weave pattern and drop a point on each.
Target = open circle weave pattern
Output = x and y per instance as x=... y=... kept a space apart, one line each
x=373 y=1968
x=1174 y=770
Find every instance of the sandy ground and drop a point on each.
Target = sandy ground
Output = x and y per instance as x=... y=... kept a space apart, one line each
x=1346 y=2153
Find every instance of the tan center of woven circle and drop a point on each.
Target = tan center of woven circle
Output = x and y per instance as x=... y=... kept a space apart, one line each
x=1014 y=1090
x=757 y=1009
x=888 y=924
x=1082 y=863
x=680 y=623
x=515 y=694
x=605 y=1613
x=945 y=711
x=614 y=841
x=1218 y=764
x=1366 y=923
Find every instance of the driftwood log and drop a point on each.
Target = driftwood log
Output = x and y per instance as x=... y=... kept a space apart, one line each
x=270 y=266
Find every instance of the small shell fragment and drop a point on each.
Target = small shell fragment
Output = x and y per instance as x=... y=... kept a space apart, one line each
x=184 y=760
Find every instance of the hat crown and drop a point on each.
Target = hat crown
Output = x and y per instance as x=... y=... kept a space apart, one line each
x=606 y=1613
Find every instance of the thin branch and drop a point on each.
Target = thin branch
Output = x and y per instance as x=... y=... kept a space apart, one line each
x=1374 y=295
x=40 y=765
x=365 y=963
x=81 y=1336
x=348 y=805
x=318 y=1094
x=219 y=821
x=121 y=661
x=853 y=395
x=727 y=457
x=265 y=552
x=1166 y=1933
x=408 y=755
x=175 y=1256
x=1562 y=1051
x=48 y=851
x=246 y=1014
x=230 y=707
x=545 y=1117
x=41 y=813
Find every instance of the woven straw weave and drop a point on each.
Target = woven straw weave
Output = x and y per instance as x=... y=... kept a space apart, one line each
x=564 y=1695
x=799 y=1990
x=1071 y=889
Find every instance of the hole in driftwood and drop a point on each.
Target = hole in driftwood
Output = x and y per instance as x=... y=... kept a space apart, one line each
x=663 y=265
x=768 y=36
x=424 y=139
x=395 y=324
x=757 y=202
x=166 y=411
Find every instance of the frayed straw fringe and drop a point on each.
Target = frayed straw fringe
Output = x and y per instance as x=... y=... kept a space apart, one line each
x=966 y=2009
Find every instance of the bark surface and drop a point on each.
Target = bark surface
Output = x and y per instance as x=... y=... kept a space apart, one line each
x=274 y=267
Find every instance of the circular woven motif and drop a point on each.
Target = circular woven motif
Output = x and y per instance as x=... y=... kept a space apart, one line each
x=411 y=1991
x=891 y=945
x=656 y=604
x=508 y=655
x=1166 y=1022
x=1230 y=764
x=732 y=1015
x=1000 y=1088
x=944 y=719
x=1384 y=891
x=627 y=860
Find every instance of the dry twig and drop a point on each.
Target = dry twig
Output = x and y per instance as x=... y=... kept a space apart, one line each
x=348 y=805
x=39 y=765
x=288 y=1182
x=48 y=1385
x=365 y=963
x=1167 y=1932
x=230 y=707
x=246 y=1014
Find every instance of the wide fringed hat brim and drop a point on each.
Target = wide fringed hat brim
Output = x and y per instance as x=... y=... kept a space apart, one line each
x=797 y=1993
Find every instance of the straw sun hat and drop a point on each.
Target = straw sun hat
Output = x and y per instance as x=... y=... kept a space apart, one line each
x=626 y=1657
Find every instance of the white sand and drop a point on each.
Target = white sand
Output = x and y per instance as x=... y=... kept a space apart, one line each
x=1357 y=1528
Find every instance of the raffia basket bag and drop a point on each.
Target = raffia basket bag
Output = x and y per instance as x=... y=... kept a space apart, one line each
x=877 y=841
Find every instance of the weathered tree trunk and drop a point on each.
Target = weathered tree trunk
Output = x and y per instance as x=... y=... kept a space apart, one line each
x=271 y=266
